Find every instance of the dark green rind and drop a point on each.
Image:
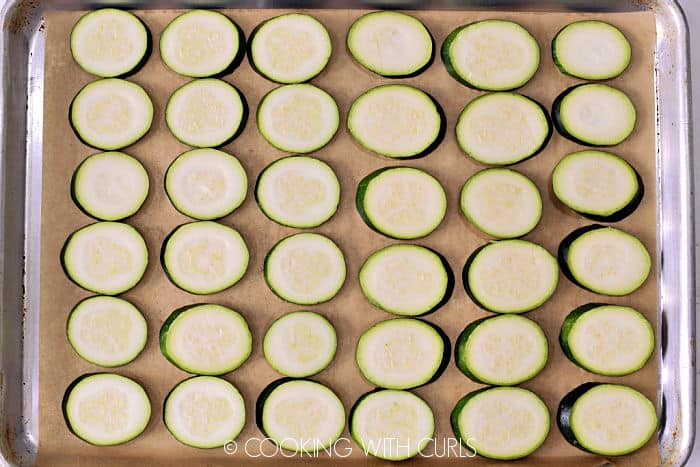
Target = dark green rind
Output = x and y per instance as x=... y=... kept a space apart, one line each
x=563 y=252
x=564 y=413
x=460 y=350
x=465 y=277
x=454 y=416
x=262 y=398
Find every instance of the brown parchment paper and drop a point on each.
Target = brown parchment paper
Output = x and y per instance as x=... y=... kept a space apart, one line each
x=349 y=311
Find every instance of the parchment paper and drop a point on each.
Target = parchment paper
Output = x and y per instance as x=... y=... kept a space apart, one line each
x=350 y=312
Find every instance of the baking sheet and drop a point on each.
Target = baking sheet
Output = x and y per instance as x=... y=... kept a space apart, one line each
x=349 y=311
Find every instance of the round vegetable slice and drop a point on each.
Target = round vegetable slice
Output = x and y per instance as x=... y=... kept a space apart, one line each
x=396 y=120
x=298 y=118
x=109 y=42
x=300 y=344
x=105 y=409
x=298 y=191
x=204 y=412
x=390 y=43
x=501 y=203
x=401 y=353
x=200 y=43
x=111 y=113
x=511 y=276
x=392 y=425
x=107 y=258
x=205 y=257
x=290 y=48
x=206 y=113
x=107 y=331
x=305 y=269
x=492 y=55
x=206 y=339
x=206 y=184
x=503 y=128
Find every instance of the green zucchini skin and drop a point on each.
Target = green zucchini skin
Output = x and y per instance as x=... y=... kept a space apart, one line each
x=465 y=278
x=461 y=344
x=445 y=355
x=264 y=394
x=563 y=252
x=360 y=196
x=564 y=412
x=568 y=325
x=454 y=416
x=162 y=335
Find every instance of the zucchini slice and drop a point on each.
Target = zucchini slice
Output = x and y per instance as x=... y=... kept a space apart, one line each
x=206 y=113
x=592 y=50
x=111 y=113
x=605 y=260
x=206 y=339
x=298 y=191
x=305 y=268
x=205 y=257
x=290 y=48
x=392 y=425
x=300 y=344
x=401 y=353
x=106 y=409
x=298 y=118
x=107 y=331
x=396 y=120
x=401 y=202
x=206 y=184
x=594 y=114
x=598 y=185
x=503 y=350
x=608 y=340
x=607 y=419
x=300 y=415
x=106 y=258
x=201 y=43
x=407 y=280
x=204 y=412
x=503 y=128
x=501 y=203
x=491 y=55
x=511 y=276
x=110 y=186
x=391 y=44
x=501 y=423
x=109 y=42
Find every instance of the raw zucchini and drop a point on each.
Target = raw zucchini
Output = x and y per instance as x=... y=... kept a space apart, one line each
x=396 y=120
x=110 y=186
x=206 y=339
x=206 y=184
x=111 y=113
x=503 y=128
x=201 y=43
x=402 y=353
x=205 y=257
x=492 y=55
x=592 y=50
x=501 y=203
x=106 y=331
x=107 y=258
x=501 y=423
x=206 y=113
x=105 y=409
x=407 y=280
x=391 y=44
x=300 y=344
x=392 y=425
x=401 y=202
x=503 y=350
x=298 y=118
x=594 y=114
x=298 y=191
x=305 y=268
x=109 y=42
x=204 y=412
x=604 y=260
x=598 y=185
x=290 y=48
x=607 y=340
x=300 y=415
x=607 y=419
x=511 y=276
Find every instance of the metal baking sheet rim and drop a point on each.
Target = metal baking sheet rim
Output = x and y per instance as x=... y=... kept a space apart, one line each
x=21 y=107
